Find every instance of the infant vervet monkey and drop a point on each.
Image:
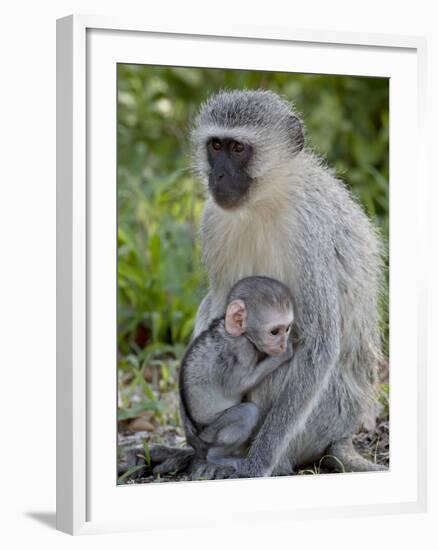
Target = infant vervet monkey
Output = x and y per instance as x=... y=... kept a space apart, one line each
x=229 y=359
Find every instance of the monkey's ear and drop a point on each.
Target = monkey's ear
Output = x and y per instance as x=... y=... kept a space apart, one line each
x=296 y=133
x=235 y=318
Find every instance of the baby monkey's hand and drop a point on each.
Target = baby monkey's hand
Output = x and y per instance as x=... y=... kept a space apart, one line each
x=288 y=354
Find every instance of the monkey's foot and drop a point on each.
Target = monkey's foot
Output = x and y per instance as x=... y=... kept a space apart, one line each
x=171 y=460
x=249 y=467
x=343 y=457
x=162 y=460
x=201 y=470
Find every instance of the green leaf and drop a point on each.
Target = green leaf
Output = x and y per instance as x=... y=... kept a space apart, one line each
x=135 y=410
x=129 y=472
x=155 y=248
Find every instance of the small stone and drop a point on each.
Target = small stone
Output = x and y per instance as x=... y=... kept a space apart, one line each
x=141 y=424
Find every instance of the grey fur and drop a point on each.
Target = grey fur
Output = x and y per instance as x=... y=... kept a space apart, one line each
x=299 y=225
x=218 y=369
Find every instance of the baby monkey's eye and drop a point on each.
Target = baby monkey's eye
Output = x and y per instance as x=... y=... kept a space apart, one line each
x=216 y=144
x=274 y=332
x=237 y=147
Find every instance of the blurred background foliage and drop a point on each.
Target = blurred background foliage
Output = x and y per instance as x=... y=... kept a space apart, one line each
x=160 y=277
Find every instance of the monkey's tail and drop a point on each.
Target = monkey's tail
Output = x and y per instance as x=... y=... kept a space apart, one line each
x=343 y=457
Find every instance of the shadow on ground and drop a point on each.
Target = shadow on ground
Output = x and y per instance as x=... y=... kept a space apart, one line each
x=46 y=518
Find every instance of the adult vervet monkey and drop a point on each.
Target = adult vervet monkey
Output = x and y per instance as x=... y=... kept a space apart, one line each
x=276 y=210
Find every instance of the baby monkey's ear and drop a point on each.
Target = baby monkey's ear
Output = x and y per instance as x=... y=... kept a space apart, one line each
x=235 y=318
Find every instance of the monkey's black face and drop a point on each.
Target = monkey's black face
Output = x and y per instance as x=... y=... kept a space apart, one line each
x=228 y=181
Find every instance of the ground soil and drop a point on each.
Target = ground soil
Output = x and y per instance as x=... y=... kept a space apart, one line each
x=372 y=444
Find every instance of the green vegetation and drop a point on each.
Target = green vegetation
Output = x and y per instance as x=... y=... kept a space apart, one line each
x=160 y=277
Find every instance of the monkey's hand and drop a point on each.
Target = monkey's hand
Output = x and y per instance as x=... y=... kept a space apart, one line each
x=289 y=353
x=245 y=467
x=202 y=470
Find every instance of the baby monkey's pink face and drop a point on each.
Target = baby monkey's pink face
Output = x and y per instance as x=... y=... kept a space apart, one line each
x=276 y=331
x=267 y=328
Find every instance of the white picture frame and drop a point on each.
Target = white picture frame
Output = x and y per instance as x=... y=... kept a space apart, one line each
x=88 y=500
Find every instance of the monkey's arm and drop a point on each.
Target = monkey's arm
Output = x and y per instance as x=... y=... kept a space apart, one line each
x=307 y=377
x=242 y=380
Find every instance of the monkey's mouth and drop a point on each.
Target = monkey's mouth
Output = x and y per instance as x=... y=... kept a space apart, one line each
x=226 y=201
x=229 y=196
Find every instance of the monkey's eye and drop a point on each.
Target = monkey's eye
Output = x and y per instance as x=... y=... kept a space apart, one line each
x=288 y=328
x=274 y=332
x=216 y=144
x=237 y=147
